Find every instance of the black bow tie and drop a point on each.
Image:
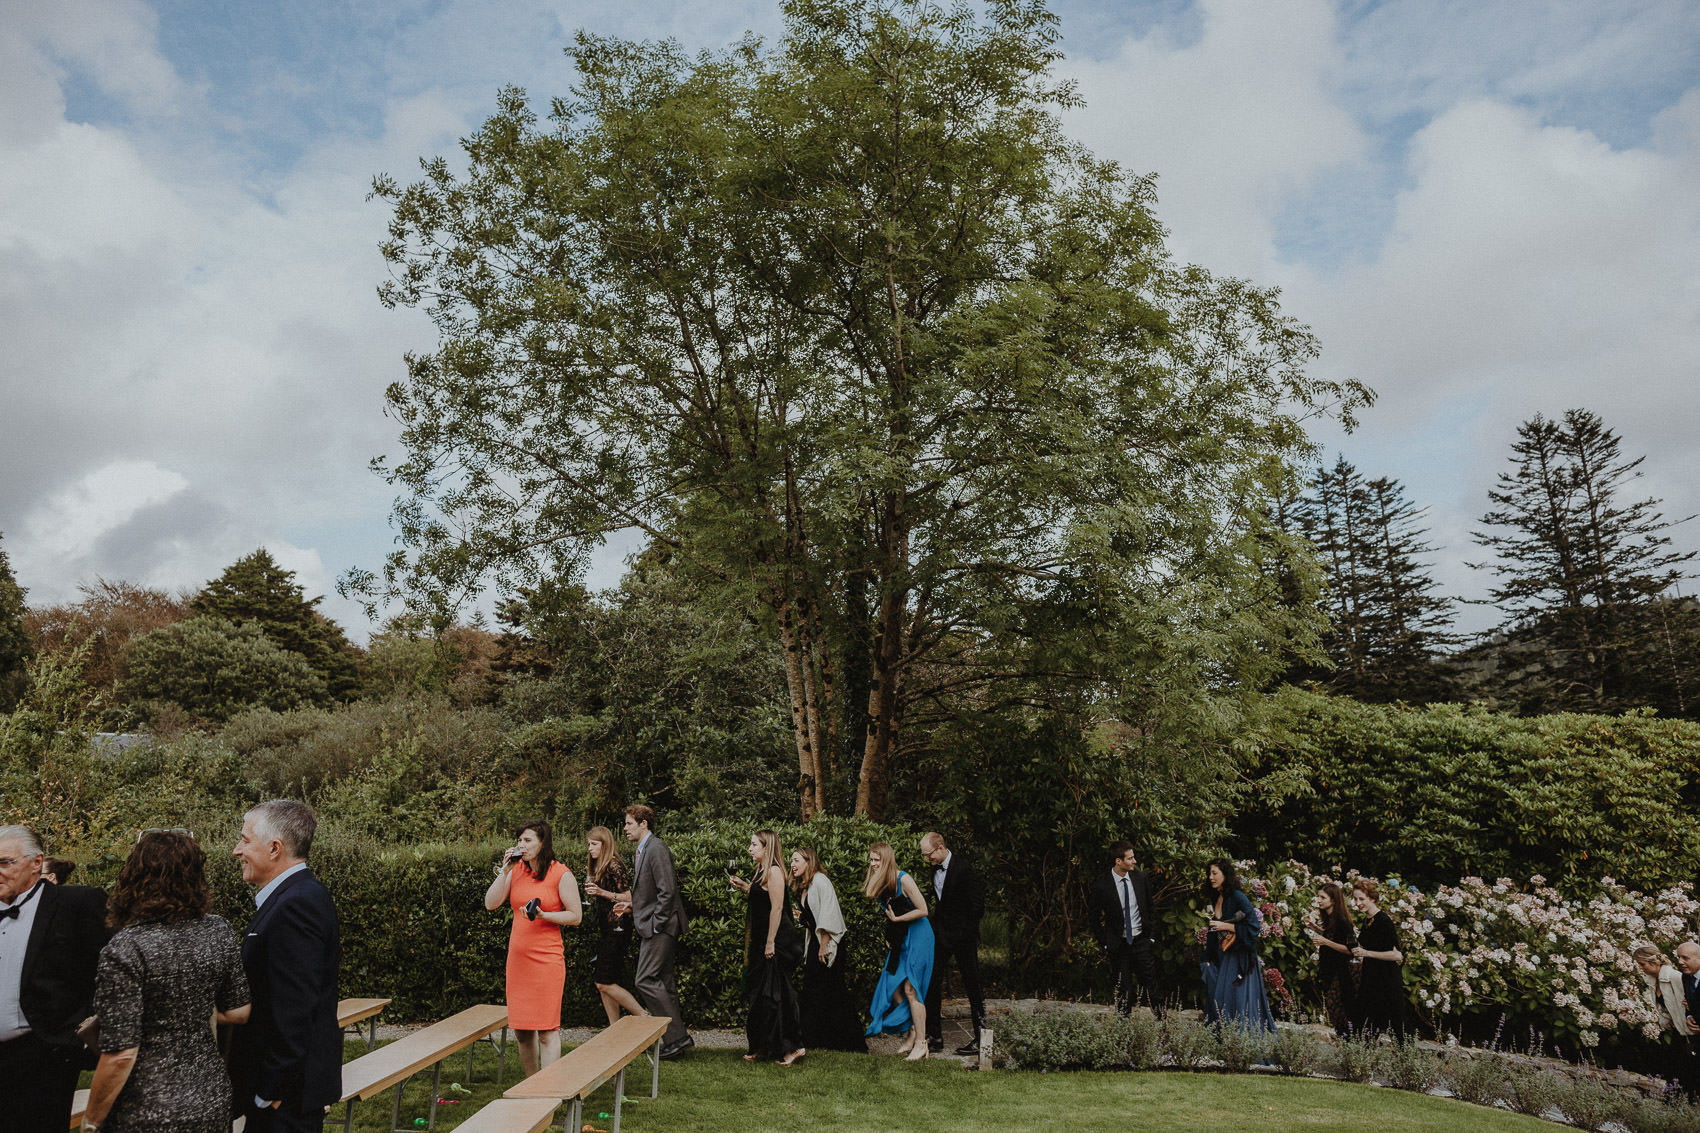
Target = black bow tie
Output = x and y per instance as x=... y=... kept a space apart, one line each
x=13 y=913
x=16 y=910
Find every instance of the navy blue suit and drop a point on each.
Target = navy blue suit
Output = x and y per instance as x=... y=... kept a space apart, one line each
x=290 y=1050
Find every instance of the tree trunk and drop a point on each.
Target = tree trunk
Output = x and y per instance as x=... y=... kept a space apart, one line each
x=808 y=766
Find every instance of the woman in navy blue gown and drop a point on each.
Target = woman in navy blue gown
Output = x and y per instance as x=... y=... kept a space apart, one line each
x=900 y=999
x=1233 y=974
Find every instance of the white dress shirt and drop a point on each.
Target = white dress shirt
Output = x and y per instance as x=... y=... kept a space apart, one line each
x=14 y=940
x=938 y=876
x=269 y=887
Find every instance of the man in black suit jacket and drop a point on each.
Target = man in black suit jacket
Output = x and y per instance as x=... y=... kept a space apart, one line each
x=1120 y=914
x=286 y=1062
x=50 y=941
x=958 y=902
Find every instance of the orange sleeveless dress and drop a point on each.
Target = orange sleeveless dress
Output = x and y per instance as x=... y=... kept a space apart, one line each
x=537 y=966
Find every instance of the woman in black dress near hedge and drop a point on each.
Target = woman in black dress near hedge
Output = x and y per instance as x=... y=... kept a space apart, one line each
x=1381 y=989
x=829 y=1016
x=607 y=884
x=772 y=950
x=170 y=970
x=1334 y=937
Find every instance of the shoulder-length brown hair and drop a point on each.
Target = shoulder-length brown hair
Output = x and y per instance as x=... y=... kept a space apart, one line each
x=883 y=877
x=1339 y=913
x=811 y=867
x=163 y=880
x=546 y=853
x=597 y=866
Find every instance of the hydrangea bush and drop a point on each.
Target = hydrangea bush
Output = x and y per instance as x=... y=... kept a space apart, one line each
x=1559 y=965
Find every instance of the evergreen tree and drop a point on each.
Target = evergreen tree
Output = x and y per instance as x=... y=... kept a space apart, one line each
x=1387 y=623
x=14 y=638
x=1583 y=576
x=255 y=590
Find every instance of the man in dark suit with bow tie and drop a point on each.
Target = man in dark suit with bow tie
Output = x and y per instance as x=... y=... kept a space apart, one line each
x=1120 y=914
x=50 y=941
x=286 y=1062
x=958 y=902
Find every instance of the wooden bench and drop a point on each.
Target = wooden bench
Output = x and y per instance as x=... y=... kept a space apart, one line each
x=577 y=1074
x=513 y=1115
x=353 y=1012
x=79 y=1102
x=392 y=1065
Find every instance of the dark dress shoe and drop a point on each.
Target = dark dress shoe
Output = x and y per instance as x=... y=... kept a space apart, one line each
x=969 y=1048
x=678 y=1049
x=935 y=1046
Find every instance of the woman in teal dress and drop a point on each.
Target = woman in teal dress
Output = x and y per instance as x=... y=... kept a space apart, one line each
x=899 y=1005
x=1233 y=973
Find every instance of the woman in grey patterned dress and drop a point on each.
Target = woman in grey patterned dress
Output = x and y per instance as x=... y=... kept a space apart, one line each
x=171 y=970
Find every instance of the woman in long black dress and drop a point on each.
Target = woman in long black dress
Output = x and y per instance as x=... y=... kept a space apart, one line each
x=829 y=1018
x=169 y=971
x=1334 y=936
x=607 y=884
x=771 y=952
x=1381 y=988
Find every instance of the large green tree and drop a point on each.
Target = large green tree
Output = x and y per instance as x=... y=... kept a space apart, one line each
x=1585 y=577
x=212 y=669
x=850 y=330
x=14 y=637
x=1387 y=623
x=257 y=591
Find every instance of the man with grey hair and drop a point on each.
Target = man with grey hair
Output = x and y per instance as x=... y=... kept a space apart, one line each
x=287 y=1061
x=50 y=942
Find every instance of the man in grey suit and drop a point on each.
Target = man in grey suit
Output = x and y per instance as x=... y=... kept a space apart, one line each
x=658 y=914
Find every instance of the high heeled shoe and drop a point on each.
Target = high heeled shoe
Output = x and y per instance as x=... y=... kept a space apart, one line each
x=919 y=1054
x=794 y=1057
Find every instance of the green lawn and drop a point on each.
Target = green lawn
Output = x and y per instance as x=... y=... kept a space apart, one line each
x=840 y=1093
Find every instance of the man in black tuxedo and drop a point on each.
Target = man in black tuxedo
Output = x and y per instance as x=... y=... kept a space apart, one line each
x=286 y=1062
x=958 y=903
x=1119 y=912
x=50 y=941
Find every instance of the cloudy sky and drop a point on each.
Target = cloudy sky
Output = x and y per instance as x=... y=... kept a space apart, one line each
x=1486 y=209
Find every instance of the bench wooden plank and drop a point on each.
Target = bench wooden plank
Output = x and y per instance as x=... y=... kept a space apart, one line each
x=352 y=1011
x=372 y=1074
x=581 y=1070
x=513 y=1115
x=79 y=1103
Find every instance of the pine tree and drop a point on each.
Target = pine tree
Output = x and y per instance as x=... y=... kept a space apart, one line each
x=256 y=590
x=1388 y=626
x=1584 y=576
x=14 y=638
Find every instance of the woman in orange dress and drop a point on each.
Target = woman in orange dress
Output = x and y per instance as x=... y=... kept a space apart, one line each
x=544 y=896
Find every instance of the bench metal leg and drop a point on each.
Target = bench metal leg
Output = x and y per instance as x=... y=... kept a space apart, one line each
x=372 y=1034
x=576 y=1120
x=655 y=1080
x=348 y=1118
x=395 y=1107
x=502 y=1060
x=436 y=1092
x=619 y=1096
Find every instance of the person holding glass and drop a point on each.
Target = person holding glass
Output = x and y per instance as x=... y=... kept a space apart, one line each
x=544 y=897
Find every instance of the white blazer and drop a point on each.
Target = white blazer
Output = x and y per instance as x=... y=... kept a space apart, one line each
x=1669 y=999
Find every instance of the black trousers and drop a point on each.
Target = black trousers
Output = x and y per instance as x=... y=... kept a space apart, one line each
x=1131 y=962
x=966 y=953
x=286 y=1118
x=40 y=1081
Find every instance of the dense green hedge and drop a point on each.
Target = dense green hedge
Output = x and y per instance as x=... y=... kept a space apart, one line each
x=1431 y=794
x=414 y=927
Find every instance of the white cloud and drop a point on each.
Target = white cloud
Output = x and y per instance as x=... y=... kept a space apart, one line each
x=67 y=526
x=1233 y=124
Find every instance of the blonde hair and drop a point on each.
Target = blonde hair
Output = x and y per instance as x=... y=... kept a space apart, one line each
x=598 y=865
x=883 y=876
x=811 y=867
x=772 y=853
x=1646 y=954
